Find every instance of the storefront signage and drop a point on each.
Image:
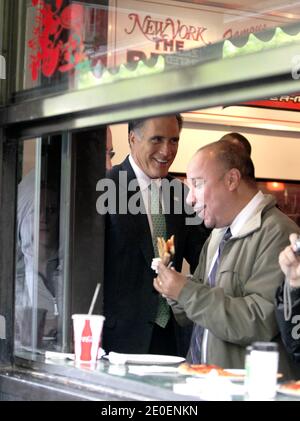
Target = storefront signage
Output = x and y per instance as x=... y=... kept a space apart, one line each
x=158 y=30
x=167 y=35
x=141 y=30
x=233 y=33
x=283 y=102
x=57 y=43
x=136 y=32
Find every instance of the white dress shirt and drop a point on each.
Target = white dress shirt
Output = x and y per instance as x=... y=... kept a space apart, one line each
x=144 y=183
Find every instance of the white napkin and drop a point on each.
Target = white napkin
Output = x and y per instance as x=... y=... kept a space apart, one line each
x=117 y=357
x=155 y=262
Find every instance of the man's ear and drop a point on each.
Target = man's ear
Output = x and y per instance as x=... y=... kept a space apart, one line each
x=233 y=179
x=131 y=138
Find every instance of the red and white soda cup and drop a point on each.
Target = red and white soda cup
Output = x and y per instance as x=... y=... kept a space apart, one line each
x=87 y=336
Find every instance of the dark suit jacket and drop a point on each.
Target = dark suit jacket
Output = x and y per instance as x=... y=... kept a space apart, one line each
x=130 y=301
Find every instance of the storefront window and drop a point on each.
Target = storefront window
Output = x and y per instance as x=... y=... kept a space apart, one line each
x=39 y=252
x=59 y=237
x=73 y=45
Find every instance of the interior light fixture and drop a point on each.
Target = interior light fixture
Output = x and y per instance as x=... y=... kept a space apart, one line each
x=275 y=186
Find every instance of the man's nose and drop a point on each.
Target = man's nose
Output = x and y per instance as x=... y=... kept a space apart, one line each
x=190 y=199
x=166 y=148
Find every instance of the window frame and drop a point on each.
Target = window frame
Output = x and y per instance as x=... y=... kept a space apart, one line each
x=219 y=82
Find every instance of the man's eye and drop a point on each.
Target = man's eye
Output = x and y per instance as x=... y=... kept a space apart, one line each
x=155 y=140
x=199 y=184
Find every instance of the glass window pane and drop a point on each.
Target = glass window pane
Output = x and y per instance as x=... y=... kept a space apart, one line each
x=39 y=287
x=59 y=236
x=71 y=45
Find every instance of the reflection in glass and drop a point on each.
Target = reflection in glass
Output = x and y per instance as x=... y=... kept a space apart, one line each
x=79 y=44
x=39 y=286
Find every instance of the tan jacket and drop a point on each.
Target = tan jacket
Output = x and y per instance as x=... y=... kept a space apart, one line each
x=240 y=309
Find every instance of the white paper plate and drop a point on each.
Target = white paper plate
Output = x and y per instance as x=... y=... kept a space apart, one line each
x=118 y=358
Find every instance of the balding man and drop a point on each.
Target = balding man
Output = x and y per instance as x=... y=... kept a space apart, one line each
x=238 y=139
x=230 y=298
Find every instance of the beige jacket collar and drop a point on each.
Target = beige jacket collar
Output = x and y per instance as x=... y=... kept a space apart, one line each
x=253 y=224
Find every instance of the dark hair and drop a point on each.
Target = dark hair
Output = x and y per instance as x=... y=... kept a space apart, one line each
x=240 y=138
x=138 y=123
x=231 y=155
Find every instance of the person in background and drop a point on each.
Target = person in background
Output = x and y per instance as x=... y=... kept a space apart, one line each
x=131 y=305
x=238 y=139
x=110 y=153
x=40 y=274
x=230 y=297
x=289 y=263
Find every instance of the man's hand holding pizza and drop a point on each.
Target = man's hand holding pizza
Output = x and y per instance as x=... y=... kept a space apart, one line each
x=169 y=283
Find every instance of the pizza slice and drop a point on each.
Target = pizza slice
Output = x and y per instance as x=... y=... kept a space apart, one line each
x=166 y=249
x=293 y=387
x=203 y=369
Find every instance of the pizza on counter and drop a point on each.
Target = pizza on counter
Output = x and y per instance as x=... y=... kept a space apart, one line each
x=293 y=387
x=203 y=369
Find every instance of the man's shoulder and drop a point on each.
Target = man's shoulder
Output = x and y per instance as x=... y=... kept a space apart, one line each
x=274 y=217
x=274 y=230
x=114 y=173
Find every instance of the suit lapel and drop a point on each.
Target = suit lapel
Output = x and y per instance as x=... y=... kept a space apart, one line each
x=138 y=223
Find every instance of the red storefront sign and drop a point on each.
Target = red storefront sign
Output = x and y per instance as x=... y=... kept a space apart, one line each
x=57 y=43
x=282 y=102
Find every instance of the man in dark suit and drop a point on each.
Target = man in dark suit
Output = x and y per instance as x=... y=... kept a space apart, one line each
x=130 y=301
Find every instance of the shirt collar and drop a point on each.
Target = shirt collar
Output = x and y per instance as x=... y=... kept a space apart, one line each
x=246 y=213
x=143 y=179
